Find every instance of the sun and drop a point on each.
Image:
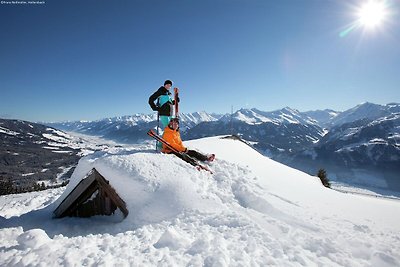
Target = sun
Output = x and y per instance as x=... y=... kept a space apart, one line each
x=372 y=13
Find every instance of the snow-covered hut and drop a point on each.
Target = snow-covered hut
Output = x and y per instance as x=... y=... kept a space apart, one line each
x=93 y=195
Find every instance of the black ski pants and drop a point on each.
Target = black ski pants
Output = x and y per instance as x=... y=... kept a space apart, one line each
x=193 y=154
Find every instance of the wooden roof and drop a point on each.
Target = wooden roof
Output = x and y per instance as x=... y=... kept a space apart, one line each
x=92 y=196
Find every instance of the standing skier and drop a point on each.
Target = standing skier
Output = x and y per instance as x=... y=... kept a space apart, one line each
x=173 y=137
x=164 y=103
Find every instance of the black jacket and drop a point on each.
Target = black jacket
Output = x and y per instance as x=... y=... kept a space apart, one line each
x=166 y=108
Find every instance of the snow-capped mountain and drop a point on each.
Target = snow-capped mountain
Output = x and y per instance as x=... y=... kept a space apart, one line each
x=122 y=128
x=252 y=211
x=366 y=110
x=188 y=120
x=255 y=117
x=352 y=145
x=130 y=129
x=306 y=140
x=364 y=152
x=322 y=117
x=270 y=132
x=269 y=137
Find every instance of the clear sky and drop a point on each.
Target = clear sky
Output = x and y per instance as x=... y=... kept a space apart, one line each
x=91 y=59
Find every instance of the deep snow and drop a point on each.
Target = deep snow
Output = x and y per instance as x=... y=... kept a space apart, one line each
x=251 y=212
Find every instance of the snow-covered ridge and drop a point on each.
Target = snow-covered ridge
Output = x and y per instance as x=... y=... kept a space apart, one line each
x=130 y=129
x=322 y=118
x=254 y=116
x=136 y=119
x=251 y=212
x=365 y=111
x=8 y=131
x=198 y=117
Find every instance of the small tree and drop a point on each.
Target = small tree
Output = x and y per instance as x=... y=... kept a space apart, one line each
x=36 y=186
x=42 y=186
x=324 y=178
x=6 y=187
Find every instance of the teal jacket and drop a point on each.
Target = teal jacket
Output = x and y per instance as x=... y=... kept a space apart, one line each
x=164 y=102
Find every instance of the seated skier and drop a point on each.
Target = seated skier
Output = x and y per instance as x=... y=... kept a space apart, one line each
x=173 y=137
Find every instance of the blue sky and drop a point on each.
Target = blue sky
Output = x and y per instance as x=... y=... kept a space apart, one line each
x=87 y=59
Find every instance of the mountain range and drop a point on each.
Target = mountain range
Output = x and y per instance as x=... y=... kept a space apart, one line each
x=130 y=129
x=358 y=146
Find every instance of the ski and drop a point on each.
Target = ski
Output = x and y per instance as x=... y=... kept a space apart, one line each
x=176 y=98
x=179 y=154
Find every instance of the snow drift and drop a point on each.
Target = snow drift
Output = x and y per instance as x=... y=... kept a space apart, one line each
x=251 y=212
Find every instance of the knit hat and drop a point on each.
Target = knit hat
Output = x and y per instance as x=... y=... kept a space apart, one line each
x=168 y=82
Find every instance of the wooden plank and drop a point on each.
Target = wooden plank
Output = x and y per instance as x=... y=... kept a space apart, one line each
x=81 y=207
x=111 y=193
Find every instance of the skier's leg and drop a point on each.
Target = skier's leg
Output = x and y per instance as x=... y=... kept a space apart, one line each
x=197 y=155
x=164 y=121
x=186 y=158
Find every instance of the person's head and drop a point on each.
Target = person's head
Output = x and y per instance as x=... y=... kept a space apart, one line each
x=174 y=123
x=168 y=84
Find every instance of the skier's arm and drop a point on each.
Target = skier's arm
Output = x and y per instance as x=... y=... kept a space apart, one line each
x=174 y=139
x=178 y=145
x=153 y=98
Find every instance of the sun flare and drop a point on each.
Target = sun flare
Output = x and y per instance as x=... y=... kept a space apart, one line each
x=372 y=13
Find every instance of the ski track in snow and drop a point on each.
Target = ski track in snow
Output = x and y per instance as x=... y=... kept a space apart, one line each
x=251 y=212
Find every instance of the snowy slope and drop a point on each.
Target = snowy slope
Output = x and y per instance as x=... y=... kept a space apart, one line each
x=32 y=153
x=251 y=212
